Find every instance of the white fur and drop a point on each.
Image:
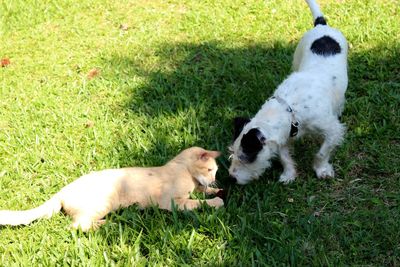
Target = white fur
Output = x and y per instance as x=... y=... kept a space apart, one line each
x=315 y=11
x=316 y=93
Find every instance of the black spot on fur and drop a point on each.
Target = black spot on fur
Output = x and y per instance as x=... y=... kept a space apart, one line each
x=325 y=46
x=252 y=142
x=334 y=81
x=239 y=123
x=319 y=21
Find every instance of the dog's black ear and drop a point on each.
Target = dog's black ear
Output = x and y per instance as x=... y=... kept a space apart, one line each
x=239 y=123
x=252 y=143
x=253 y=137
x=261 y=137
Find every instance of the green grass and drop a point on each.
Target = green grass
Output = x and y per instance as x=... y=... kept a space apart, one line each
x=174 y=79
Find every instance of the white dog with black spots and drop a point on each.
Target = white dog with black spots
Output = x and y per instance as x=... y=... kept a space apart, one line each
x=309 y=101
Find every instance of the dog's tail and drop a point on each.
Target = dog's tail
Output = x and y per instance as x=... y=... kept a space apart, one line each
x=316 y=12
x=46 y=210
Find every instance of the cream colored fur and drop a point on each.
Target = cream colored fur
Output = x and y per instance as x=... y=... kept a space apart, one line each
x=91 y=197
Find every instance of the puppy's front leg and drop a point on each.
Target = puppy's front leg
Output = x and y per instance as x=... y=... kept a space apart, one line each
x=289 y=171
x=190 y=204
x=208 y=190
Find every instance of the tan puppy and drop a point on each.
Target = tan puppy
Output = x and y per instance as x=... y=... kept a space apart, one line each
x=91 y=197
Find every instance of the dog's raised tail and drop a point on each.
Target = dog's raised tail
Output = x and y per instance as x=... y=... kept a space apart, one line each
x=316 y=12
x=23 y=217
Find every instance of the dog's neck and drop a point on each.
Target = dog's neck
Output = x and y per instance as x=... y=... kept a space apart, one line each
x=294 y=127
x=274 y=121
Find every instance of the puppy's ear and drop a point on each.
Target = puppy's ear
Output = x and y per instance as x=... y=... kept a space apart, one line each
x=239 y=123
x=209 y=154
x=214 y=154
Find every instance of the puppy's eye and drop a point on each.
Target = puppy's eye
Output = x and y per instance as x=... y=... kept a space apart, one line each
x=209 y=170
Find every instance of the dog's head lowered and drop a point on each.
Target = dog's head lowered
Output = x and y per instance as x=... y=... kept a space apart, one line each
x=251 y=151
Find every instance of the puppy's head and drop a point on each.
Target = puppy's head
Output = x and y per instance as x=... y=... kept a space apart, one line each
x=251 y=151
x=202 y=164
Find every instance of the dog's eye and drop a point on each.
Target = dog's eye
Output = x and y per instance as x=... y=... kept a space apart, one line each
x=209 y=170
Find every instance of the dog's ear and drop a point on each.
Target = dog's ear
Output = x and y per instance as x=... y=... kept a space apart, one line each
x=252 y=143
x=239 y=123
x=261 y=137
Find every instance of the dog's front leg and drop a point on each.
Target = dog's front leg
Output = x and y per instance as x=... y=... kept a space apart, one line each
x=190 y=204
x=289 y=170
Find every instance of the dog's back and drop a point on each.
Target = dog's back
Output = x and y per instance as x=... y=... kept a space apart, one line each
x=320 y=78
x=322 y=49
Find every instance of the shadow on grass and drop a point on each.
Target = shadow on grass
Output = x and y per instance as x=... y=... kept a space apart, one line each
x=191 y=94
x=190 y=97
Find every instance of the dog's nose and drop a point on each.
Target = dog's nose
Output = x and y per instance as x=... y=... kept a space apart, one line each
x=232 y=179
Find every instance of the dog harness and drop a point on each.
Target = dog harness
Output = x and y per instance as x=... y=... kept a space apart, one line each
x=294 y=128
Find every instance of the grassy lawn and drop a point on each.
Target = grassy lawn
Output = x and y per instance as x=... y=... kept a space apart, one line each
x=172 y=74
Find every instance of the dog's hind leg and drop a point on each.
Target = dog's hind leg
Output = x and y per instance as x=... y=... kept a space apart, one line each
x=333 y=136
x=289 y=170
x=298 y=55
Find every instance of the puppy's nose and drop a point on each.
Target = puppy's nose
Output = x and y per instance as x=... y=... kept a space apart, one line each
x=232 y=179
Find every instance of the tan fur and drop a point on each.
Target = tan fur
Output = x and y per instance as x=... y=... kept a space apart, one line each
x=92 y=196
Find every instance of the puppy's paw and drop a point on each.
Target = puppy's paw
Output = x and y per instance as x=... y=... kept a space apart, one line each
x=212 y=191
x=287 y=177
x=96 y=224
x=324 y=171
x=215 y=202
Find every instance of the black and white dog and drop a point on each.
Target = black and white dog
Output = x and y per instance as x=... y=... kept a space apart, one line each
x=310 y=100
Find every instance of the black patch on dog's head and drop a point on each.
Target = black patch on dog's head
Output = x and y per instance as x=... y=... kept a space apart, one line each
x=325 y=46
x=252 y=142
x=239 y=123
x=319 y=21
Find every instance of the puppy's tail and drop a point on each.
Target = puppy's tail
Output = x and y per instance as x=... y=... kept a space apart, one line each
x=316 y=12
x=46 y=210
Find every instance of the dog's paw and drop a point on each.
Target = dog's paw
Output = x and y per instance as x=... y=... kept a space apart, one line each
x=287 y=177
x=216 y=202
x=325 y=171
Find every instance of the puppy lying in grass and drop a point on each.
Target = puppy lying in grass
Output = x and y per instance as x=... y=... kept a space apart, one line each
x=92 y=196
